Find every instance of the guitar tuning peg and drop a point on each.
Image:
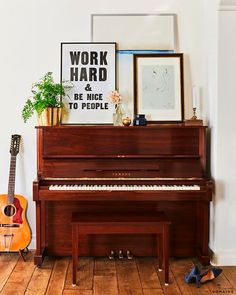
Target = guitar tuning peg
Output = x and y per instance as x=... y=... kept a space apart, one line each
x=22 y=145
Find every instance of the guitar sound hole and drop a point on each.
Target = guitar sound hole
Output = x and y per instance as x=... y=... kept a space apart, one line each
x=9 y=210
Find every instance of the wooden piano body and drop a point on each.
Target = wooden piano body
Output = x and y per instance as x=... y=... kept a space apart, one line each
x=93 y=155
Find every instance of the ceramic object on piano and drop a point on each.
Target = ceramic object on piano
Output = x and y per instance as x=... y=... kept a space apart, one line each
x=118 y=115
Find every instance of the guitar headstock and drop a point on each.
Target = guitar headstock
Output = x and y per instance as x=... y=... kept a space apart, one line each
x=15 y=144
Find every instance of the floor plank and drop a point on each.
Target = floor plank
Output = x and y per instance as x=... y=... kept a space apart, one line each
x=172 y=288
x=105 y=285
x=128 y=291
x=84 y=274
x=104 y=267
x=77 y=292
x=230 y=274
x=20 y=277
x=147 y=271
x=105 y=280
x=153 y=292
x=58 y=277
x=40 y=278
x=7 y=264
x=100 y=276
x=128 y=277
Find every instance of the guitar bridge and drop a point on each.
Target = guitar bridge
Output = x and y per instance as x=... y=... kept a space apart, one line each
x=9 y=225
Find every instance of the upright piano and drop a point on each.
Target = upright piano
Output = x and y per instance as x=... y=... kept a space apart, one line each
x=117 y=169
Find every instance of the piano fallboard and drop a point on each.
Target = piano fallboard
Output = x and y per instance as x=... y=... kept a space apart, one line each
x=126 y=167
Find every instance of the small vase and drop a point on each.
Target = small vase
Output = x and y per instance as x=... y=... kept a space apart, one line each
x=118 y=115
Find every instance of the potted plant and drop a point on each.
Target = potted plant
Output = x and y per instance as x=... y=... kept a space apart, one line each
x=46 y=100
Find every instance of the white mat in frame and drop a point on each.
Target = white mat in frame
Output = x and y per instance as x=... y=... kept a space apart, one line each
x=135 y=31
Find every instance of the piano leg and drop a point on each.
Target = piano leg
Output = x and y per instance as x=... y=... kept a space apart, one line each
x=203 y=251
x=40 y=233
x=75 y=247
x=166 y=252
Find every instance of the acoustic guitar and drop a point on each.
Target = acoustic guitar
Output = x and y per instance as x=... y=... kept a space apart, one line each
x=15 y=233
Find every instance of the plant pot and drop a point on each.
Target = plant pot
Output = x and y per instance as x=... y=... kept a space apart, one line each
x=50 y=117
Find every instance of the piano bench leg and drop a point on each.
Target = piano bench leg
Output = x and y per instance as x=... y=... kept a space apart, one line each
x=163 y=251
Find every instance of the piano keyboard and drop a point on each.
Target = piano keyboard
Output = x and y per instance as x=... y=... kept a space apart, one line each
x=123 y=187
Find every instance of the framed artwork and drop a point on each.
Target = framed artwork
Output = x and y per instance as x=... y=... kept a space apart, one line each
x=135 y=31
x=91 y=69
x=158 y=87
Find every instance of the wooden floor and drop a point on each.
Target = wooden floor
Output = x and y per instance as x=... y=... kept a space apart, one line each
x=103 y=277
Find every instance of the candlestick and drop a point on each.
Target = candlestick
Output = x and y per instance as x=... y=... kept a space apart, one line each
x=194 y=120
x=194 y=117
x=195 y=102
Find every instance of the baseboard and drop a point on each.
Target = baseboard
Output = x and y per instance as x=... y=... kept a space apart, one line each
x=224 y=258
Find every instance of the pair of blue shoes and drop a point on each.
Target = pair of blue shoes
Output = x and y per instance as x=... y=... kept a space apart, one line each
x=196 y=277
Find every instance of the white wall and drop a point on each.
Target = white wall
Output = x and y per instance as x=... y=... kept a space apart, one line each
x=31 y=32
x=224 y=242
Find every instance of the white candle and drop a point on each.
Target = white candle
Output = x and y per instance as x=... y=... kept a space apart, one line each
x=195 y=97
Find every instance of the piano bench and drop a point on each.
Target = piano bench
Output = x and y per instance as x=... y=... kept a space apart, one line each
x=125 y=223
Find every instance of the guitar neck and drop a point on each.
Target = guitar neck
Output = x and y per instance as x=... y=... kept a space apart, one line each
x=11 y=183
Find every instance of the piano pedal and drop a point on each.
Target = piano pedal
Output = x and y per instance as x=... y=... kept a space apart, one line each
x=129 y=255
x=120 y=255
x=111 y=255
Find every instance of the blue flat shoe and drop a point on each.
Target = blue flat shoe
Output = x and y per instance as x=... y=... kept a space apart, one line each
x=193 y=276
x=210 y=275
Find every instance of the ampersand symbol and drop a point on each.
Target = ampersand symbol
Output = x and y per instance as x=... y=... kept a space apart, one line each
x=88 y=87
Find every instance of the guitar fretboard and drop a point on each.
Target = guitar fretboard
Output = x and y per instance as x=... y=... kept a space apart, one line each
x=11 y=183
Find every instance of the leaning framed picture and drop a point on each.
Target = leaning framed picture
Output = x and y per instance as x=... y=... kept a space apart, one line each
x=91 y=70
x=158 y=87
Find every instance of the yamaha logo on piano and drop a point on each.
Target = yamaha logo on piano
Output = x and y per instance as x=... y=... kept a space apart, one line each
x=122 y=174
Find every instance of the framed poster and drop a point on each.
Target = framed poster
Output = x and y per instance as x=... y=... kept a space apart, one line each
x=91 y=69
x=158 y=87
x=135 y=31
